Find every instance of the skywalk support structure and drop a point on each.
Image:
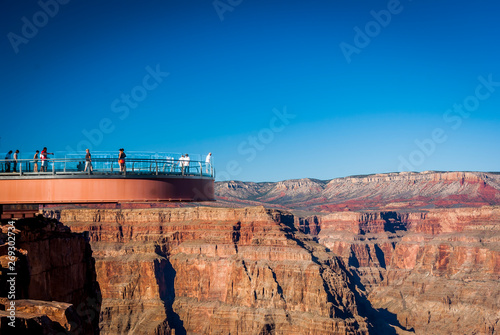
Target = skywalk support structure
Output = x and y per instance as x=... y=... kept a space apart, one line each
x=153 y=179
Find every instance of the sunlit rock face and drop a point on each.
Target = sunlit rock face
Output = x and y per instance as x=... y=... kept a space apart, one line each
x=403 y=190
x=217 y=271
x=437 y=270
x=206 y=270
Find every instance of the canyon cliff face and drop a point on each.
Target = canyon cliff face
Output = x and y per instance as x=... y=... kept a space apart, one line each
x=383 y=254
x=55 y=287
x=437 y=270
x=252 y=270
x=391 y=190
x=217 y=271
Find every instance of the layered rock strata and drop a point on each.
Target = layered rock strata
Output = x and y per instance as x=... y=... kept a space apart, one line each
x=437 y=270
x=216 y=271
x=248 y=270
x=403 y=190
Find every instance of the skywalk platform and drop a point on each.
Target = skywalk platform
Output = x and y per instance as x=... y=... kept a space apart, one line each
x=146 y=178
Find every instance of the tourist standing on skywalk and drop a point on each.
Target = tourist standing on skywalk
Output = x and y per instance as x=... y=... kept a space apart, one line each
x=88 y=161
x=35 y=161
x=16 y=157
x=8 y=157
x=187 y=161
x=121 y=160
x=208 y=162
x=181 y=164
x=44 y=158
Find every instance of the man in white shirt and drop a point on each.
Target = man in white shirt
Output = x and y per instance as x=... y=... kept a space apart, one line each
x=208 y=162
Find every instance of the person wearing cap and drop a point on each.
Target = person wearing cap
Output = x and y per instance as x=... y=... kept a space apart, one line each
x=35 y=161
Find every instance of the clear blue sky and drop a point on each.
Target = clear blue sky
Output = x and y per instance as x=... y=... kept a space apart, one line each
x=362 y=92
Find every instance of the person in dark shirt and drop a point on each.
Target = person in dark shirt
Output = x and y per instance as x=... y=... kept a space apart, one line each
x=121 y=160
x=88 y=161
x=8 y=157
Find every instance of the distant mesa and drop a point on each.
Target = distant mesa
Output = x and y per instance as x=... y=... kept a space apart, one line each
x=412 y=190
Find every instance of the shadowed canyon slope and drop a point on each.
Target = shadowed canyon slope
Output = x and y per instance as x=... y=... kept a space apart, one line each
x=52 y=277
x=392 y=190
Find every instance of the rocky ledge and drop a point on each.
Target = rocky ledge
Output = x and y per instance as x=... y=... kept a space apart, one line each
x=48 y=279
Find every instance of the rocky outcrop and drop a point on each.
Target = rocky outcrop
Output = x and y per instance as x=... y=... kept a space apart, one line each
x=51 y=277
x=430 y=268
x=391 y=191
x=217 y=270
x=41 y=317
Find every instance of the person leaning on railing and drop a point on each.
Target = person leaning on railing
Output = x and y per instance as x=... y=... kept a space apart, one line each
x=44 y=158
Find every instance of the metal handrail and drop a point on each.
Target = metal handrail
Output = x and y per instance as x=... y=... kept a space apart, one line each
x=108 y=165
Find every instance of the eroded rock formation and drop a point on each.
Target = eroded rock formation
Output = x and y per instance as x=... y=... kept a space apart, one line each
x=216 y=271
x=437 y=270
x=248 y=270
